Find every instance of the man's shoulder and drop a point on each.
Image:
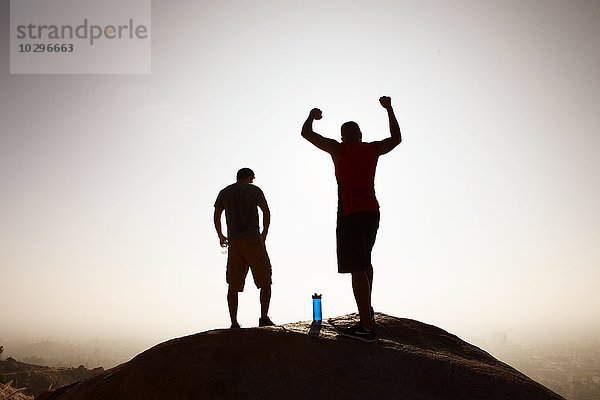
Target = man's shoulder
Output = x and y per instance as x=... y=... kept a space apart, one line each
x=242 y=188
x=255 y=190
x=225 y=189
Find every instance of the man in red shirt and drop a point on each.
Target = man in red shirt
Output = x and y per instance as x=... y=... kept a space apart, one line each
x=355 y=163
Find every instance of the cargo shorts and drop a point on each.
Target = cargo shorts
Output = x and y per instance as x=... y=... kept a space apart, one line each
x=248 y=253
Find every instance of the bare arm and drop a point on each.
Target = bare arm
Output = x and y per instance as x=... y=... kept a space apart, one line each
x=386 y=145
x=217 y=220
x=329 y=145
x=264 y=207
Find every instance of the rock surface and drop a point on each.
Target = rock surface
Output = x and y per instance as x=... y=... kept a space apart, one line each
x=410 y=360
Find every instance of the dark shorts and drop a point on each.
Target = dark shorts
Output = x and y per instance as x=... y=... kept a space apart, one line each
x=356 y=235
x=244 y=254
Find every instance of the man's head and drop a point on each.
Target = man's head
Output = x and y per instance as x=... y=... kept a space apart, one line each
x=351 y=132
x=245 y=175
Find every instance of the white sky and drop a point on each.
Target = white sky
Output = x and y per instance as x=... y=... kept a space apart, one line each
x=490 y=206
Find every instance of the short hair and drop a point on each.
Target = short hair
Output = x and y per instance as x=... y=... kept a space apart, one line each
x=244 y=173
x=351 y=130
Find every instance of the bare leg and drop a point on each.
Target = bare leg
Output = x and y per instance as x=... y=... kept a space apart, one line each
x=362 y=295
x=370 y=276
x=232 y=302
x=265 y=300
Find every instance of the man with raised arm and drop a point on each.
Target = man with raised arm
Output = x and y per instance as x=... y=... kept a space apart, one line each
x=355 y=163
x=246 y=245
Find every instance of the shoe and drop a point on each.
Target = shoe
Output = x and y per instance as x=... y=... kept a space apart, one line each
x=265 y=321
x=235 y=326
x=358 y=332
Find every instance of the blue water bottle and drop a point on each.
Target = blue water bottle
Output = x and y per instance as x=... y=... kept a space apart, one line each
x=317 y=312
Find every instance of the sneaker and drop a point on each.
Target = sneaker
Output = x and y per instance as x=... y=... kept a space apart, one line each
x=235 y=326
x=265 y=321
x=358 y=332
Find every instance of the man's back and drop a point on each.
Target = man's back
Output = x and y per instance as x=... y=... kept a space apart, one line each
x=355 y=173
x=246 y=243
x=240 y=202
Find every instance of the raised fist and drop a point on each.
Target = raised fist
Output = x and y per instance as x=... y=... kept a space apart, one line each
x=386 y=102
x=315 y=113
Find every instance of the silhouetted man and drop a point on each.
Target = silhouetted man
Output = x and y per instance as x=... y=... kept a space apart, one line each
x=246 y=245
x=358 y=210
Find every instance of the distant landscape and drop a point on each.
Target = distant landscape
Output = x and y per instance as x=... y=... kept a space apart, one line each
x=568 y=367
x=106 y=353
x=571 y=368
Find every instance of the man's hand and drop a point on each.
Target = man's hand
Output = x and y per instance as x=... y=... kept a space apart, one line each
x=263 y=235
x=315 y=113
x=329 y=145
x=388 y=144
x=223 y=241
x=386 y=102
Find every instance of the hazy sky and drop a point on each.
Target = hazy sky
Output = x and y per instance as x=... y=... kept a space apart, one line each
x=490 y=206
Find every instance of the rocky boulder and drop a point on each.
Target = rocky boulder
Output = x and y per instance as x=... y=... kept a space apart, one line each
x=410 y=360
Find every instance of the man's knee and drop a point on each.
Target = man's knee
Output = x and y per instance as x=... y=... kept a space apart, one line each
x=234 y=290
x=359 y=275
x=265 y=288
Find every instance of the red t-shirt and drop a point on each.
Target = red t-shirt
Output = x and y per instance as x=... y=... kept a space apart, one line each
x=355 y=174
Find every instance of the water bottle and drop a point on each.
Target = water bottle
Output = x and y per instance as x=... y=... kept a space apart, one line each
x=317 y=312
